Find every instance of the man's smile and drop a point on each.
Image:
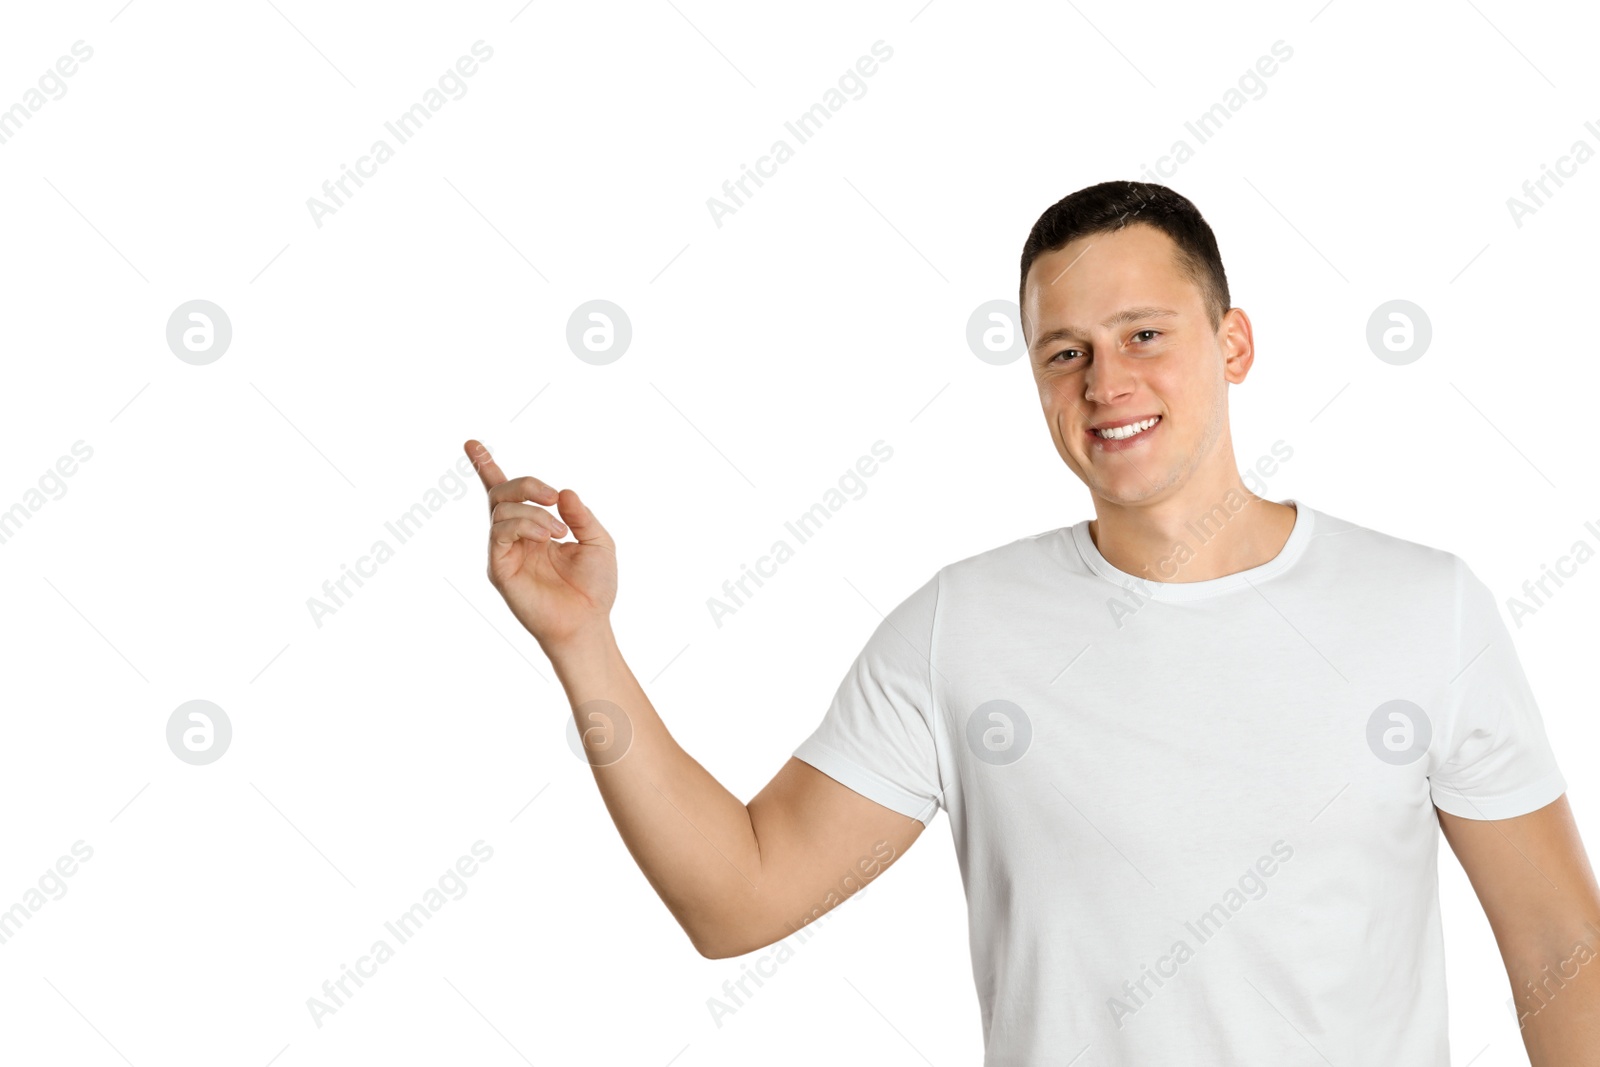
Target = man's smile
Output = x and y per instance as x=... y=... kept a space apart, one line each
x=1119 y=435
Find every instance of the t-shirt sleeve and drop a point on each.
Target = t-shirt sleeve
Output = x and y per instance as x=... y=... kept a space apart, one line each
x=878 y=736
x=1497 y=763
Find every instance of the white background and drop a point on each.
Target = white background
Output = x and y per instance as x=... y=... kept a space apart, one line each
x=768 y=354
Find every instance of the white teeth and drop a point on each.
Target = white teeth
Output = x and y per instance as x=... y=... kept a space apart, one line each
x=1120 y=433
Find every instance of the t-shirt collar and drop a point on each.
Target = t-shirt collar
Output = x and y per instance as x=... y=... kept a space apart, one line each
x=1292 y=549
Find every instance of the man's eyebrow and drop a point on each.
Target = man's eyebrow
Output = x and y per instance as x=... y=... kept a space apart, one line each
x=1066 y=333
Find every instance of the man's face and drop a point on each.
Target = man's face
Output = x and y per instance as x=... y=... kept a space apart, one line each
x=1119 y=336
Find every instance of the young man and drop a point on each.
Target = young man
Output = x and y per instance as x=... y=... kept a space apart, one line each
x=1195 y=751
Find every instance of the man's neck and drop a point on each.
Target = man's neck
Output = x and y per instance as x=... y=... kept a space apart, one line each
x=1192 y=537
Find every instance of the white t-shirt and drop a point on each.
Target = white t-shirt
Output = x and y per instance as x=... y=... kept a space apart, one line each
x=1195 y=821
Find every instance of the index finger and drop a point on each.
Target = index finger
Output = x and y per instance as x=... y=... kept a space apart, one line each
x=499 y=488
x=489 y=471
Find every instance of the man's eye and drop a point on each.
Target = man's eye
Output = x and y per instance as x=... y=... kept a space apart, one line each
x=1153 y=334
x=1066 y=352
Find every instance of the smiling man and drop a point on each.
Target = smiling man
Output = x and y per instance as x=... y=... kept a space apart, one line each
x=1196 y=751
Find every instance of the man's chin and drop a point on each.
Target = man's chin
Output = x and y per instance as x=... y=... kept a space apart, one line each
x=1124 y=492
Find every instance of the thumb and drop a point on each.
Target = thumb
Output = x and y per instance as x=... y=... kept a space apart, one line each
x=581 y=521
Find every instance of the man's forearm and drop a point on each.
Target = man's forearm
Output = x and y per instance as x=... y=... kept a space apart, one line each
x=1558 y=1002
x=691 y=837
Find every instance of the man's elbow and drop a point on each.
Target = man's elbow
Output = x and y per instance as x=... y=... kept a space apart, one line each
x=726 y=941
x=713 y=951
x=719 y=945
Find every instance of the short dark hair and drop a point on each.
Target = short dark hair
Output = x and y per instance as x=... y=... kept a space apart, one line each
x=1111 y=206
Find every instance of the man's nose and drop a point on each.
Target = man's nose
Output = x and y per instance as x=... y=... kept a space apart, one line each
x=1110 y=375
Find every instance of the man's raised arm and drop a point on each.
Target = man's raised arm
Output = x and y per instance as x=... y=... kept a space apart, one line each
x=737 y=877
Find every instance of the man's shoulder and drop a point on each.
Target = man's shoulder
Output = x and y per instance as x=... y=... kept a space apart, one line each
x=1020 y=556
x=1356 y=551
x=1006 y=573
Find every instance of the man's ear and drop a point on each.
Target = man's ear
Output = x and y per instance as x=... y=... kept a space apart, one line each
x=1236 y=338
